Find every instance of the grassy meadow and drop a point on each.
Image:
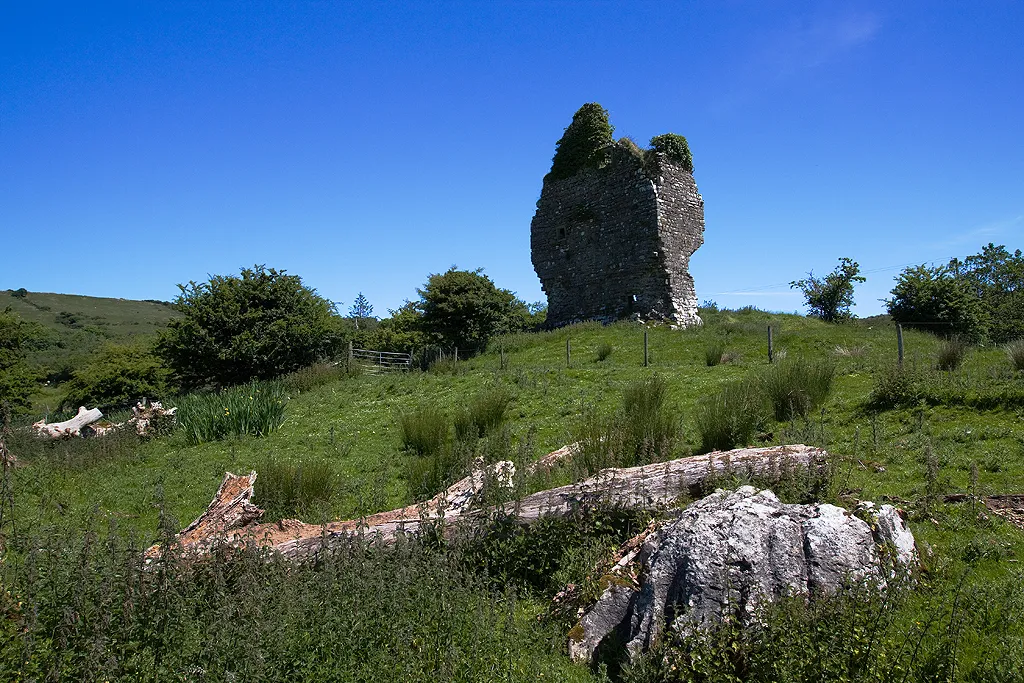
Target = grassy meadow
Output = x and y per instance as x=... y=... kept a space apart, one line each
x=79 y=606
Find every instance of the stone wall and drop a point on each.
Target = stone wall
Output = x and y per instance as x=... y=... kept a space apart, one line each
x=615 y=242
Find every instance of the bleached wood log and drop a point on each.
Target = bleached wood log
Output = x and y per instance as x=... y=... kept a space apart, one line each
x=72 y=427
x=646 y=487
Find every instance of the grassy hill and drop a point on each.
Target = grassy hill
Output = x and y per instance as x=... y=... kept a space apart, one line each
x=960 y=432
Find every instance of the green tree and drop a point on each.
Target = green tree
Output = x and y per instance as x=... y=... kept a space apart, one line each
x=464 y=308
x=938 y=300
x=256 y=325
x=996 y=277
x=17 y=381
x=117 y=374
x=584 y=144
x=830 y=297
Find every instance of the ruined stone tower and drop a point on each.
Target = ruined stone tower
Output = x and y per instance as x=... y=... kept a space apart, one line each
x=615 y=229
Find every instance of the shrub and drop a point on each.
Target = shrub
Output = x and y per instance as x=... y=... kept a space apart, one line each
x=464 y=309
x=254 y=409
x=895 y=387
x=424 y=430
x=795 y=388
x=951 y=354
x=731 y=417
x=713 y=353
x=17 y=381
x=584 y=144
x=288 y=489
x=118 y=374
x=938 y=300
x=830 y=298
x=259 y=325
x=604 y=350
x=675 y=148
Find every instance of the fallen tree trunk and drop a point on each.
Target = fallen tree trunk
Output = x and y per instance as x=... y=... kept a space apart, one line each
x=229 y=519
x=72 y=427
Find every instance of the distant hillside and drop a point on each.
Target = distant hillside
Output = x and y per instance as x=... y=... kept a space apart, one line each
x=74 y=326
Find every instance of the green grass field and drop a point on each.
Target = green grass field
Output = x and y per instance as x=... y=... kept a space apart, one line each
x=962 y=433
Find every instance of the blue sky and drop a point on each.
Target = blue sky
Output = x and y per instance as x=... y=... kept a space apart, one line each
x=366 y=145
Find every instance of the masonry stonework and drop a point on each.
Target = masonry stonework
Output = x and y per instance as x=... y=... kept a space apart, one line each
x=615 y=242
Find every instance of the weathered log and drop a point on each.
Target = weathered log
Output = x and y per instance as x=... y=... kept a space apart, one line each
x=645 y=487
x=72 y=427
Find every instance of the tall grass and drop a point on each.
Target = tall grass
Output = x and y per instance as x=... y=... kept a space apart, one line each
x=649 y=425
x=713 y=353
x=287 y=489
x=797 y=387
x=254 y=409
x=424 y=430
x=312 y=376
x=484 y=414
x=604 y=350
x=731 y=417
x=1015 y=354
x=952 y=354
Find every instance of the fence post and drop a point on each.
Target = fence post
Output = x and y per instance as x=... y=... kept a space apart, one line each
x=568 y=352
x=501 y=351
x=771 y=347
x=899 y=343
x=647 y=357
x=348 y=359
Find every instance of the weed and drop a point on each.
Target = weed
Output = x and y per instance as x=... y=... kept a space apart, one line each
x=796 y=388
x=254 y=409
x=1015 y=354
x=488 y=408
x=603 y=351
x=895 y=387
x=649 y=427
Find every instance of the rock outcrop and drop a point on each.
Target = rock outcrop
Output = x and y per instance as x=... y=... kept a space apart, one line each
x=731 y=553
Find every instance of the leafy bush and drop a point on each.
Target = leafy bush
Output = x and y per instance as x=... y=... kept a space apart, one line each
x=938 y=300
x=464 y=309
x=951 y=354
x=118 y=374
x=604 y=350
x=584 y=144
x=17 y=381
x=996 y=277
x=424 y=430
x=1015 y=353
x=895 y=387
x=830 y=298
x=286 y=489
x=254 y=409
x=795 y=388
x=713 y=353
x=731 y=417
x=675 y=148
x=259 y=325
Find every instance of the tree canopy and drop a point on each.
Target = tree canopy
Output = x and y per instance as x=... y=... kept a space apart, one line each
x=831 y=297
x=464 y=308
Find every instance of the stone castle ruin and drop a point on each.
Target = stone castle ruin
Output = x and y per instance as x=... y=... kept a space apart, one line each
x=616 y=225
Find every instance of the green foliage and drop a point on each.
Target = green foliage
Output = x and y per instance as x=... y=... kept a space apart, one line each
x=604 y=350
x=996 y=276
x=675 y=147
x=951 y=354
x=464 y=309
x=794 y=388
x=19 y=293
x=17 y=381
x=1015 y=354
x=361 y=308
x=286 y=489
x=584 y=144
x=259 y=325
x=731 y=417
x=830 y=298
x=484 y=415
x=254 y=409
x=312 y=376
x=895 y=387
x=938 y=300
x=713 y=353
x=118 y=374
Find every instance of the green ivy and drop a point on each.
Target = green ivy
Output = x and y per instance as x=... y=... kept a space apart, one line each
x=584 y=143
x=675 y=148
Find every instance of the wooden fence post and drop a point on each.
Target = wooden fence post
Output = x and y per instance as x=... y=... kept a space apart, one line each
x=771 y=348
x=568 y=352
x=348 y=359
x=899 y=343
x=647 y=357
x=501 y=350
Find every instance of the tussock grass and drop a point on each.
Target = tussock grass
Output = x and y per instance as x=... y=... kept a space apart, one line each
x=424 y=430
x=951 y=354
x=1015 y=354
x=604 y=350
x=254 y=409
x=713 y=353
x=312 y=376
x=484 y=414
x=731 y=417
x=287 y=489
x=797 y=387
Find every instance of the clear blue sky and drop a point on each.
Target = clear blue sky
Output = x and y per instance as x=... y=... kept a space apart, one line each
x=366 y=145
